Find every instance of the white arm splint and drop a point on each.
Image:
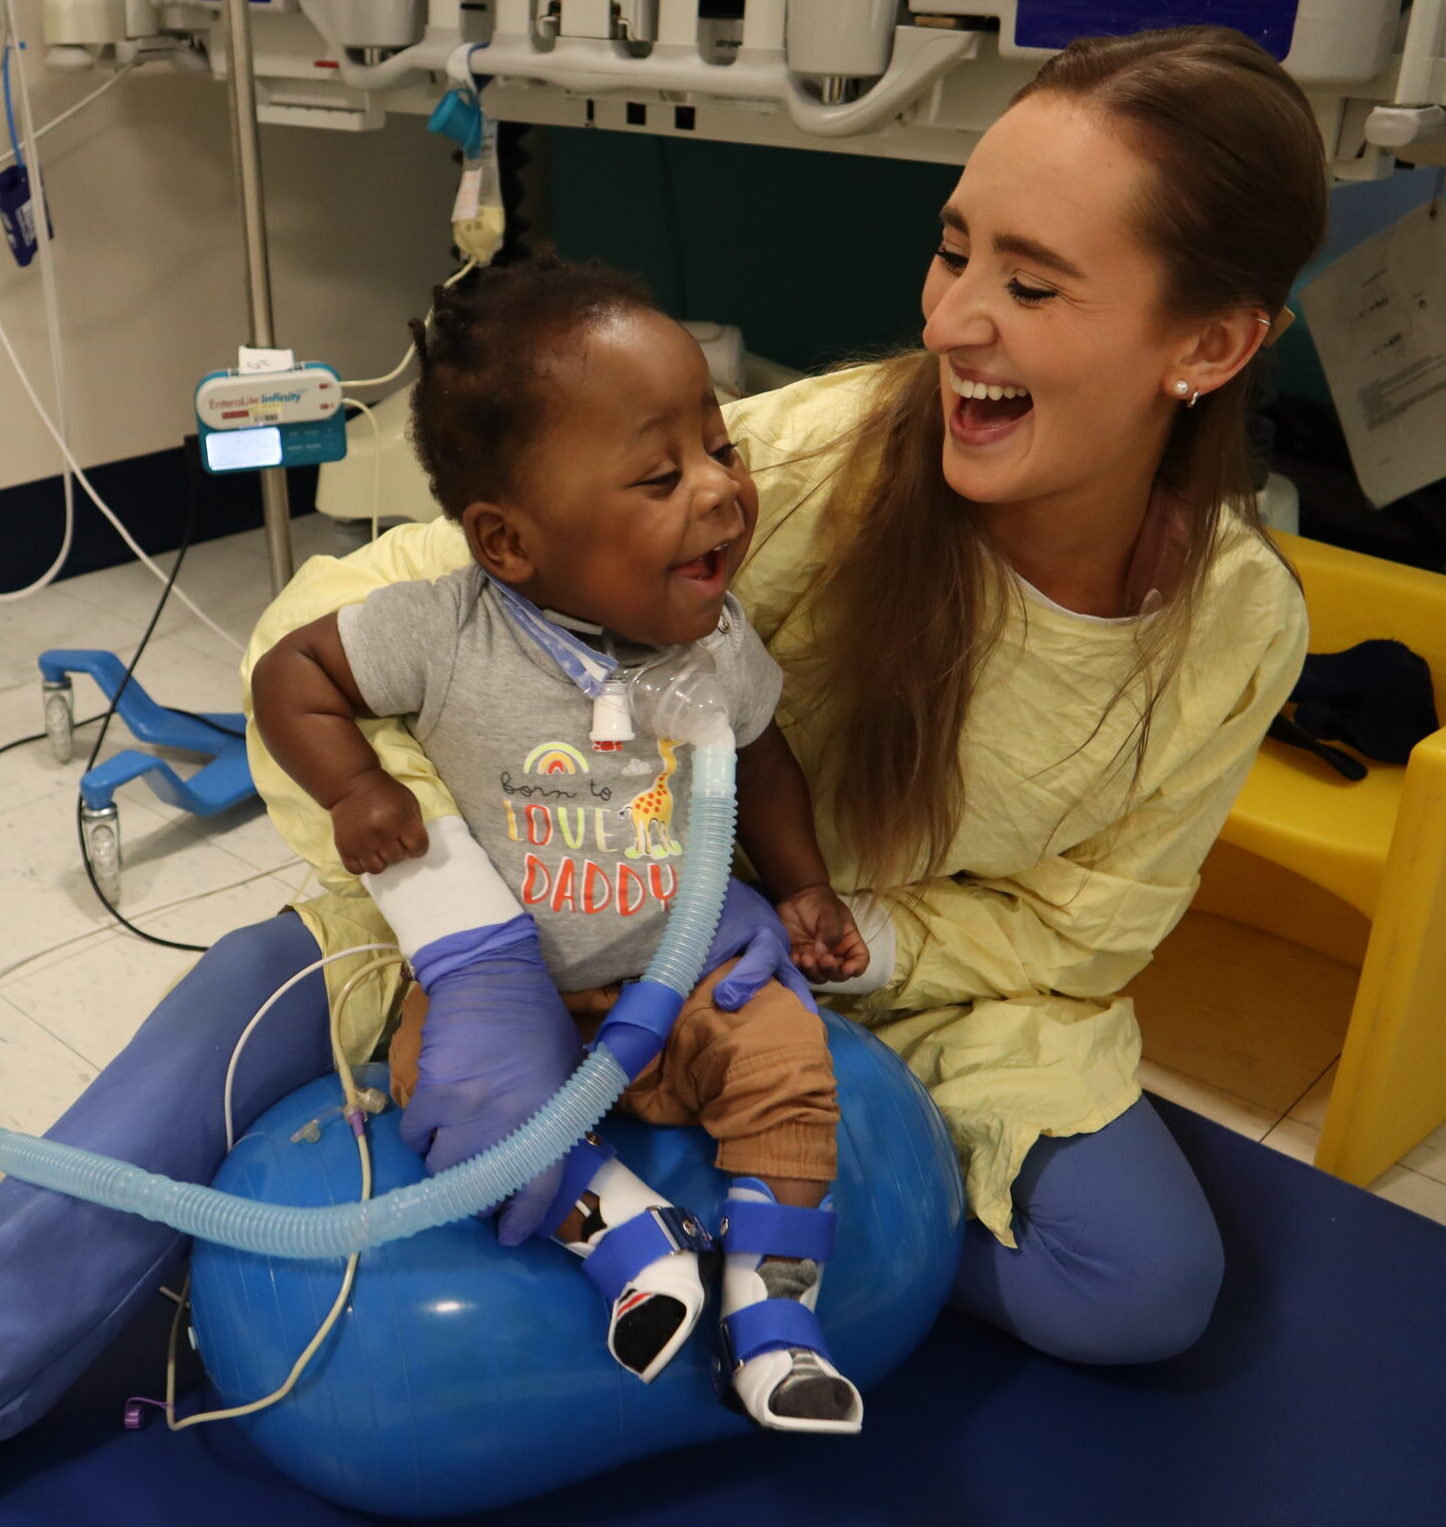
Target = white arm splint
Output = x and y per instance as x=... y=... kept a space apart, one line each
x=453 y=888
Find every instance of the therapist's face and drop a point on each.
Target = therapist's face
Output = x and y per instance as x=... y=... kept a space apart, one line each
x=1041 y=285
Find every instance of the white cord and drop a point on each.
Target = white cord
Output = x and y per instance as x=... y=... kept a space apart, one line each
x=391 y=376
x=406 y=360
x=376 y=461
x=40 y=205
x=79 y=106
x=101 y=504
x=266 y=1007
x=348 y=1277
x=308 y=1352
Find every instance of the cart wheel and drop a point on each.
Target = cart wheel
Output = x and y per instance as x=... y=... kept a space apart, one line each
x=103 y=848
x=60 y=718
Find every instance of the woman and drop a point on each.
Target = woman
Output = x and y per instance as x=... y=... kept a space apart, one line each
x=1032 y=637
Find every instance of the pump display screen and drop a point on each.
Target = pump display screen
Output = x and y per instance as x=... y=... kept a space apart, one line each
x=239 y=450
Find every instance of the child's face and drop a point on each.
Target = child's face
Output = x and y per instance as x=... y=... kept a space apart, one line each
x=631 y=505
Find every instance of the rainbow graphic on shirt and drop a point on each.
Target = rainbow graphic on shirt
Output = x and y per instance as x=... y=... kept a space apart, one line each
x=554 y=758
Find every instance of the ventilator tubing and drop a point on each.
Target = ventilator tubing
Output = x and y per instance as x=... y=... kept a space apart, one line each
x=279 y=1230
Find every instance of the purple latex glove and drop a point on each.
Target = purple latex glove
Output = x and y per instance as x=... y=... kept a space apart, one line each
x=750 y=928
x=497 y=1044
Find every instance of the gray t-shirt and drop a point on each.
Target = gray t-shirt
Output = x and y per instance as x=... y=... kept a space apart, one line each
x=589 y=841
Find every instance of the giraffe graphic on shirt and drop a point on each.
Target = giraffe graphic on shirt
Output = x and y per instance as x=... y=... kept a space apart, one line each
x=651 y=811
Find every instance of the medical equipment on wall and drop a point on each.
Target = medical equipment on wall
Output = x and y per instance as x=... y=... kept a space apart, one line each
x=17 y=213
x=916 y=79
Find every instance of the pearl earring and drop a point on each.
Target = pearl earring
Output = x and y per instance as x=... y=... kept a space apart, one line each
x=1181 y=388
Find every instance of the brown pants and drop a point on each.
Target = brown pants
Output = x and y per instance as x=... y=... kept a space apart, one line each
x=760 y=1080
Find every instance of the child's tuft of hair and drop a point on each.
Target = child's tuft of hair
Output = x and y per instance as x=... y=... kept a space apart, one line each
x=480 y=398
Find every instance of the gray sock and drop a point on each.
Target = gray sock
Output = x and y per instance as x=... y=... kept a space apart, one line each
x=808 y=1393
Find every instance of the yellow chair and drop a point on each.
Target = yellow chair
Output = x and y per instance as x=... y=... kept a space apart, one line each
x=1379 y=846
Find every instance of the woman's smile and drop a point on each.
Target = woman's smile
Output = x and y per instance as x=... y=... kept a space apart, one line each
x=983 y=410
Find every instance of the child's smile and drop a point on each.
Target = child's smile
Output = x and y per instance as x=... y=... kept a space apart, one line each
x=630 y=506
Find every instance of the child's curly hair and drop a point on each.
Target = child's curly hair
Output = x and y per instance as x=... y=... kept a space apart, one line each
x=479 y=400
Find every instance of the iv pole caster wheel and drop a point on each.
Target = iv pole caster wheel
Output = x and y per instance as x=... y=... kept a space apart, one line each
x=101 y=827
x=59 y=699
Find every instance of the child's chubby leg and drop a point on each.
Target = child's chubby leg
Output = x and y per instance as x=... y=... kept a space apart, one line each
x=761 y=1082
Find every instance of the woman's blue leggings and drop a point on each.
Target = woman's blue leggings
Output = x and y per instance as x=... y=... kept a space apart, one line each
x=1118 y=1258
x=73 y=1274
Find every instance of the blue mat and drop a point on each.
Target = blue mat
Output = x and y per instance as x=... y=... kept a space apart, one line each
x=1315 y=1399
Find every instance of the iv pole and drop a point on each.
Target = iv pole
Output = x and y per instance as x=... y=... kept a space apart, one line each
x=275 y=506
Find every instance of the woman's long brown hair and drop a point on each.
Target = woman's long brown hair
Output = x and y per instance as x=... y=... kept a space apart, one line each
x=915 y=595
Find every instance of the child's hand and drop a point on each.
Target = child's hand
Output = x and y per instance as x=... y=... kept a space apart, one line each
x=377 y=823
x=827 y=945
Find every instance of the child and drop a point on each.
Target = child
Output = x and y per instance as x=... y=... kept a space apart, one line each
x=570 y=428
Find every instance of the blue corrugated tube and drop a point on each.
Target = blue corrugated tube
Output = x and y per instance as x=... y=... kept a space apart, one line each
x=281 y=1230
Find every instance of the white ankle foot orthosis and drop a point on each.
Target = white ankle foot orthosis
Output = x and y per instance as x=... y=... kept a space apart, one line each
x=642 y=1253
x=779 y=1361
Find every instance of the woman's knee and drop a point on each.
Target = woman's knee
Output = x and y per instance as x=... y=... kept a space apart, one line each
x=1143 y=1312
x=1113 y=1305
x=259 y=953
x=1119 y=1258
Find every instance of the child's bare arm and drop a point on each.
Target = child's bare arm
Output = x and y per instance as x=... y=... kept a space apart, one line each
x=775 y=827
x=306 y=703
x=775 y=817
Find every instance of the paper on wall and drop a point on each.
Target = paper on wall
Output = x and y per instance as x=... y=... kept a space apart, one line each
x=1378 y=319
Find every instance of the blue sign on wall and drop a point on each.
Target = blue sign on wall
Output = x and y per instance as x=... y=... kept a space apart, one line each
x=1056 y=23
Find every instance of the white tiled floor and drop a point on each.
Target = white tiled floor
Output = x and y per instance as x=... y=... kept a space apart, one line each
x=74 y=986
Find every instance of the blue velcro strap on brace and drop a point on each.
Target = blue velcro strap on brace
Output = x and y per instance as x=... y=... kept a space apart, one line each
x=626 y=1250
x=579 y=1167
x=777 y=1230
x=639 y=1024
x=772 y=1325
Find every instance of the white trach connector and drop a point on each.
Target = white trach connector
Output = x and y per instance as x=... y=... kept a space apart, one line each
x=612 y=716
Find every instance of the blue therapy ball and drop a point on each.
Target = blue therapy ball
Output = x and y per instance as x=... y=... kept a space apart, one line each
x=463 y=1376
